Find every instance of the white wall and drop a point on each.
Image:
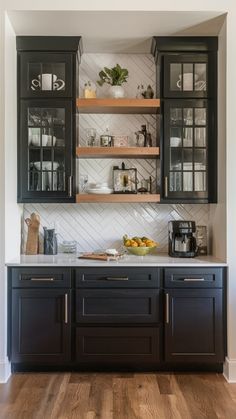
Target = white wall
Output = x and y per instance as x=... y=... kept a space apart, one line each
x=218 y=211
x=221 y=6
x=12 y=211
x=3 y=367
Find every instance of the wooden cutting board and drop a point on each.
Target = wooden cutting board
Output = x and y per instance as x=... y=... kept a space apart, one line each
x=94 y=256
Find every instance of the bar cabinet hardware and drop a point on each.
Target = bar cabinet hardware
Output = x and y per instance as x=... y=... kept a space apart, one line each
x=167 y=318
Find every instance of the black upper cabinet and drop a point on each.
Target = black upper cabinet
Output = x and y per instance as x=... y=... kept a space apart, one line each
x=187 y=86
x=185 y=76
x=46 y=74
x=46 y=118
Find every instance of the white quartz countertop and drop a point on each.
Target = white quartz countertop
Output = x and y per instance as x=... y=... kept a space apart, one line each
x=160 y=259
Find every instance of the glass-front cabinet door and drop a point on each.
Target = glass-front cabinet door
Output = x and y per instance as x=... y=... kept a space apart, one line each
x=45 y=75
x=186 y=75
x=186 y=149
x=46 y=151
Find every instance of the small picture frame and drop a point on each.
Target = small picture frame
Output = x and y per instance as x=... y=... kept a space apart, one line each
x=120 y=140
x=124 y=180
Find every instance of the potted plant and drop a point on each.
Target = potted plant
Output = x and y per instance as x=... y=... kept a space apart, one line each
x=115 y=77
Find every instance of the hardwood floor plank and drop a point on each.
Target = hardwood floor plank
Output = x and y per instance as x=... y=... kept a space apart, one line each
x=117 y=396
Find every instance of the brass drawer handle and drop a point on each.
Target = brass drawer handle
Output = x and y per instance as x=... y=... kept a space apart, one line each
x=166 y=186
x=70 y=185
x=194 y=279
x=41 y=279
x=66 y=308
x=167 y=315
x=117 y=278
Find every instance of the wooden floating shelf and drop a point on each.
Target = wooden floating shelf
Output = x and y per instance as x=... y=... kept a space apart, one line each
x=108 y=152
x=112 y=198
x=119 y=106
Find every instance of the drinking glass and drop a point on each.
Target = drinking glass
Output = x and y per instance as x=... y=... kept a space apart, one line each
x=83 y=180
x=91 y=136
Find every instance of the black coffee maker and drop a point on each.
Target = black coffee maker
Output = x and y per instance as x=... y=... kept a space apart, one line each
x=182 y=242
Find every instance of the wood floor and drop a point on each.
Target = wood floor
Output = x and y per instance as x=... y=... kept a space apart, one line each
x=117 y=396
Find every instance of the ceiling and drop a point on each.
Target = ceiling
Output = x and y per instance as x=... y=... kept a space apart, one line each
x=116 y=31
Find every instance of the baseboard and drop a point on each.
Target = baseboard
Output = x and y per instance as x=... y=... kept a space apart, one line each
x=5 y=371
x=229 y=371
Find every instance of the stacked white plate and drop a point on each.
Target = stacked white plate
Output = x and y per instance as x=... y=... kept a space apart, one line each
x=99 y=188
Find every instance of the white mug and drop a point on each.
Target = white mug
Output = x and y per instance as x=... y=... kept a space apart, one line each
x=187 y=79
x=47 y=81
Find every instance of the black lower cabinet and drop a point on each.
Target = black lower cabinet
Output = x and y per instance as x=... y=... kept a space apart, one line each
x=194 y=325
x=116 y=346
x=40 y=327
x=61 y=318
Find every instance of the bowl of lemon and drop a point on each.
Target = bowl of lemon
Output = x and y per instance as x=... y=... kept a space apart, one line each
x=139 y=246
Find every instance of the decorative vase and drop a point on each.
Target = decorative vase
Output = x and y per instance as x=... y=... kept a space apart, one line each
x=116 y=92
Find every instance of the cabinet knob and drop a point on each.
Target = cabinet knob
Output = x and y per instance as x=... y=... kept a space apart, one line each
x=117 y=278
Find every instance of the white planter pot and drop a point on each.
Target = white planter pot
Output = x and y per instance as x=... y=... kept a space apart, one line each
x=116 y=92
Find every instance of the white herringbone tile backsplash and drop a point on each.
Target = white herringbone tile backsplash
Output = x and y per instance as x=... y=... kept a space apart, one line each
x=99 y=226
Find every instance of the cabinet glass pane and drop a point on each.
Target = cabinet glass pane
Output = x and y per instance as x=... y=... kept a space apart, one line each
x=187 y=77
x=175 y=137
x=200 y=181
x=176 y=116
x=46 y=76
x=188 y=116
x=175 y=159
x=175 y=182
x=175 y=76
x=200 y=76
x=187 y=159
x=34 y=137
x=46 y=154
x=187 y=181
x=200 y=137
x=200 y=116
x=200 y=159
x=188 y=137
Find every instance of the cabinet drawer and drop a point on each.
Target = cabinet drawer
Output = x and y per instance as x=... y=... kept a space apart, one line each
x=117 y=345
x=117 y=306
x=40 y=277
x=118 y=278
x=193 y=277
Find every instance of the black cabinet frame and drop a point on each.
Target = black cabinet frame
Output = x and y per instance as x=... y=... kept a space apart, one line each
x=51 y=50
x=182 y=50
x=26 y=195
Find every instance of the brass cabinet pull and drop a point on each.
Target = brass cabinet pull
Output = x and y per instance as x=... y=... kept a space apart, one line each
x=117 y=278
x=70 y=185
x=166 y=186
x=41 y=279
x=167 y=315
x=66 y=308
x=193 y=279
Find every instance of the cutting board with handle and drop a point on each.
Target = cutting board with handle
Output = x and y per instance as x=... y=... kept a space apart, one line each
x=94 y=256
x=100 y=256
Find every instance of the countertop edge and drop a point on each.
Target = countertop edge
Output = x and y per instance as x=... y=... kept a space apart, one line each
x=160 y=260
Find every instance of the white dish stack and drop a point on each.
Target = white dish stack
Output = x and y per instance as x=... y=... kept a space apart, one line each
x=99 y=188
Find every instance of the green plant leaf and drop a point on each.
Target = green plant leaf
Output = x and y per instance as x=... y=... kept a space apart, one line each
x=114 y=76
